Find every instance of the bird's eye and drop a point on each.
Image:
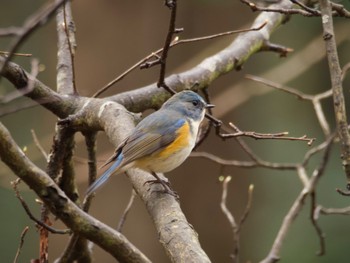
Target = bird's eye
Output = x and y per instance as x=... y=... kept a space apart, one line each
x=195 y=102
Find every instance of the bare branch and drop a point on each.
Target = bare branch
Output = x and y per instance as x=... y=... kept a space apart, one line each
x=256 y=135
x=174 y=43
x=38 y=145
x=172 y=4
x=315 y=99
x=330 y=211
x=257 y=162
x=15 y=54
x=23 y=234
x=306 y=8
x=282 y=50
x=321 y=235
x=61 y=206
x=32 y=217
x=24 y=90
x=230 y=218
x=66 y=50
x=247 y=208
x=336 y=78
x=345 y=70
x=60 y=105
x=38 y=19
x=339 y=9
x=236 y=227
x=126 y=211
x=281 y=10
x=298 y=204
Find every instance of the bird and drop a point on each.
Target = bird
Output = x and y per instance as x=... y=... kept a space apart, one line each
x=160 y=142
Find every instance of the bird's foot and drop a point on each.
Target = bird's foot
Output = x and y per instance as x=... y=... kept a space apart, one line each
x=166 y=187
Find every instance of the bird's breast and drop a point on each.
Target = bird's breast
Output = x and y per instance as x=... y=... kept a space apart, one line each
x=182 y=141
x=172 y=155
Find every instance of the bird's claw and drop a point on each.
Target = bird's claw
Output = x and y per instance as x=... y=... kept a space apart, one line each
x=156 y=181
x=166 y=187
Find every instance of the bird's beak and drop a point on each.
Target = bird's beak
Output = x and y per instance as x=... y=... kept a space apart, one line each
x=209 y=106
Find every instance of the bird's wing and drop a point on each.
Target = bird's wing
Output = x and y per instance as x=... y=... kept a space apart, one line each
x=151 y=135
x=115 y=154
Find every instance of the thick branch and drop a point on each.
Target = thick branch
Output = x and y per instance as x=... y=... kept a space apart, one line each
x=232 y=57
x=61 y=206
x=138 y=100
x=66 y=50
x=58 y=104
x=337 y=87
x=164 y=210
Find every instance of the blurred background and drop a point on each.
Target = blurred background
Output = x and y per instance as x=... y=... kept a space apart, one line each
x=111 y=37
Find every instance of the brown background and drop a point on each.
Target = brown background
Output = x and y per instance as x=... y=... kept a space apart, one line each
x=112 y=36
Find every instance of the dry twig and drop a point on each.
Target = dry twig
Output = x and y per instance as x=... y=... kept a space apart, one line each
x=21 y=242
x=143 y=62
x=36 y=20
x=126 y=211
x=236 y=227
x=38 y=145
x=31 y=216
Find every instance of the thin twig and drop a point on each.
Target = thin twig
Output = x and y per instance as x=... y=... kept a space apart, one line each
x=298 y=204
x=38 y=19
x=269 y=83
x=291 y=11
x=11 y=109
x=256 y=135
x=38 y=145
x=230 y=218
x=16 y=54
x=314 y=222
x=163 y=59
x=191 y=40
x=126 y=211
x=281 y=50
x=21 y=242
x=247 y=208
x=342 y=192
x=174 y=43
x=345 y=70
x=257 y=162
x=306 y=8
x=31 y=216
x=336 y=9
x=330 y=211
x=315 y=99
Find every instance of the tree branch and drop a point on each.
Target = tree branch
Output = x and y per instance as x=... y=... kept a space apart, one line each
x=66 y=50
x=60 y=105
x=62 y=207
x=337 y=87
x=298 y=204
x=36 y=20
x=231 y=57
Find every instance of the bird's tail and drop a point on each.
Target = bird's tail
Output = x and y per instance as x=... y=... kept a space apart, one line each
x=103 y=178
